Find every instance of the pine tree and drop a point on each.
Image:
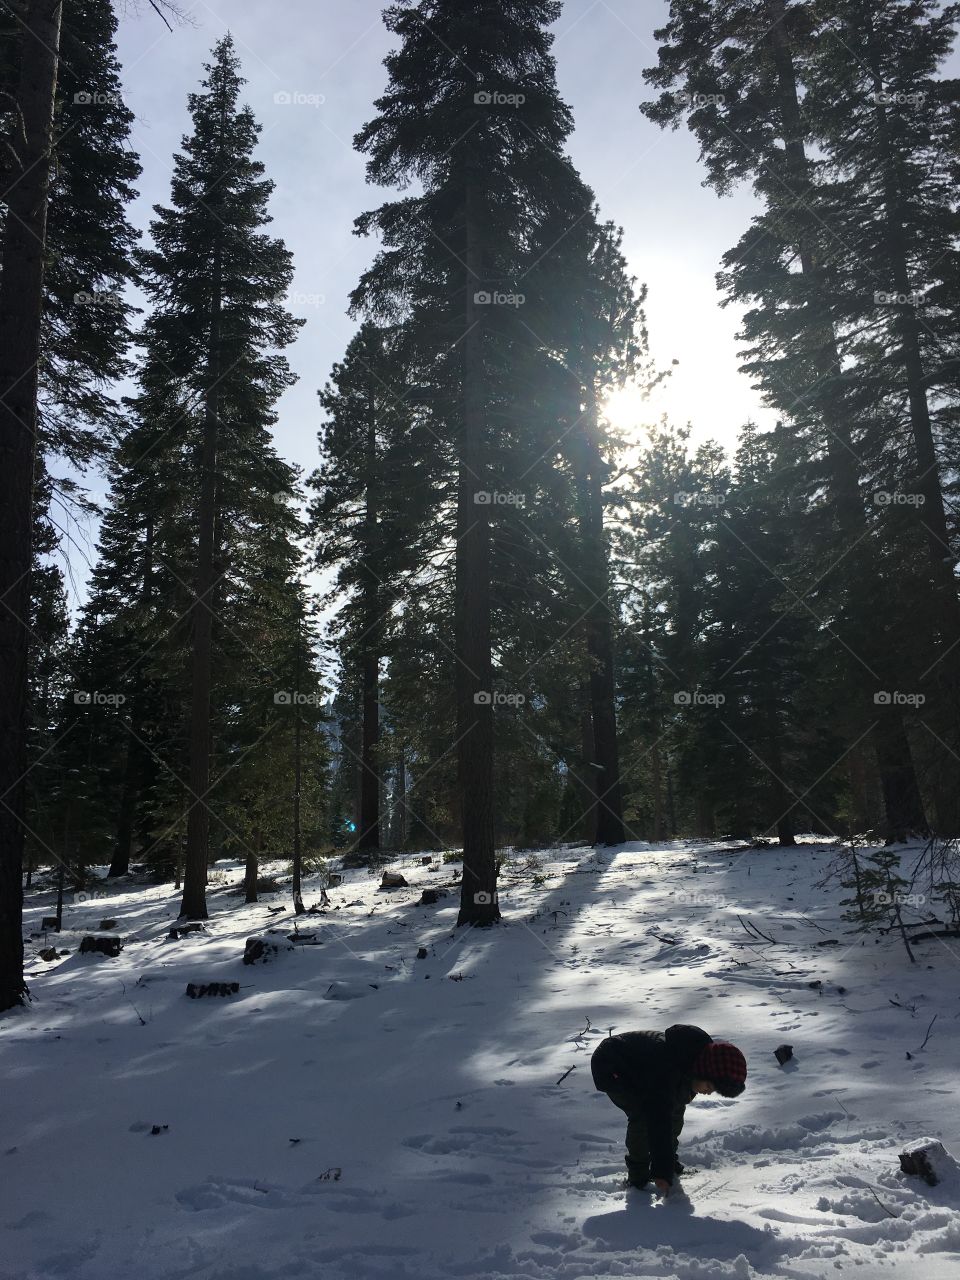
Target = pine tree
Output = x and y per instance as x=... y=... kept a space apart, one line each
x=21 y=307
x=372 y=518
x=729 y=67
x=472 y=111
x=66 y=171
x=50 y=677
x=589 y=318
x=760 y=649
x=884 y=120
x=661 y=556
x=215 y=279
x=91 y=258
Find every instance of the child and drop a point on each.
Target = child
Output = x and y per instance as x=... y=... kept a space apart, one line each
x=652 y=1075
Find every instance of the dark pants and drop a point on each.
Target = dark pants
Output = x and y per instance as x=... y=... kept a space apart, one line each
x=638 y=1150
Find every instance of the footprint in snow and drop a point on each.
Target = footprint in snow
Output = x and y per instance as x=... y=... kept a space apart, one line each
x=477 y=1141
x=219 y=1193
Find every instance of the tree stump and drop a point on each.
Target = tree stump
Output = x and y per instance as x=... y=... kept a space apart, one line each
x=262 y=949
x=105 y=946
x=927 y=1159
x=178 y=930
x=393 y=880
x=49 y=922
x=430 y=896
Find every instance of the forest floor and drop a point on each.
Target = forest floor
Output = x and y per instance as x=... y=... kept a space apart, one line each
x=356 y=1113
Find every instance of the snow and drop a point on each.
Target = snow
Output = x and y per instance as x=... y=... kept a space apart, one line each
x=433 y=1137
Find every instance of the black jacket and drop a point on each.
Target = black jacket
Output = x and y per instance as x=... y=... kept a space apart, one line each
x=656 y=1067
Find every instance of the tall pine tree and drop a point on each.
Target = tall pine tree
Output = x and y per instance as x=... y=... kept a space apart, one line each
x=215 y=279
x=472 y=112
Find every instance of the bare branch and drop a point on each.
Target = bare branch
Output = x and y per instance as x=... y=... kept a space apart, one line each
x=162 y=8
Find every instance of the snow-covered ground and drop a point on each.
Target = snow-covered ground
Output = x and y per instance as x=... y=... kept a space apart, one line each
x=355 y=1112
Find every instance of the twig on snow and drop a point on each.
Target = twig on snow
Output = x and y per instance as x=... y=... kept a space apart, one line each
x=752 y=929
x=929 y=1029
x=887 y=1211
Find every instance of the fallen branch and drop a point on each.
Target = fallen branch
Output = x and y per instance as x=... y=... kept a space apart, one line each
x=929 y=1029
x=911 y=1008
x=123 y=988
x=752 y=929
x=887 y=1211
x=901 y=926
x=566 y=1073
x=807 y=920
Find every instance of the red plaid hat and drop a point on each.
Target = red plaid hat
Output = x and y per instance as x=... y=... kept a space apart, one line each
x=724 y=1066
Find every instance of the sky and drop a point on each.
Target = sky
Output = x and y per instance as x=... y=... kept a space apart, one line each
x=327 y=55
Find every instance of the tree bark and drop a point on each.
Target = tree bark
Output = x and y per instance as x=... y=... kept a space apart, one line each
x=369 y=765
x=901 y=795
x=194 y=905
x=369 y=838
x=298 y=906
x=933 y=517
x=120 y=863
x=587 y=782
x=21 y=308
x=598 y=621
x=251 y=870
x=398 y=804
x=671 y=804
x=478 y=895
x=656 y=783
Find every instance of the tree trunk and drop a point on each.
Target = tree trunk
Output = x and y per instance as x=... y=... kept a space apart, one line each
x=656 y=782
x=933 y=517
x=932 y=514
x=671 y=804
x=120 y=863
x=587 y=781
x=861 y=814
x=298 y=906
x=598 y=620
x=785 y=830
x=369 y=766
x=194 y=905
x=251 y=870
x=705 y=823
x=21 y=307
x=901 y=794
x=784 y=800
x=398 y=835
x=369 y=837
x=478 y=896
